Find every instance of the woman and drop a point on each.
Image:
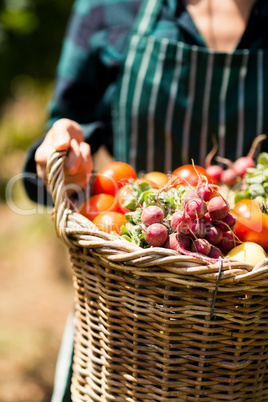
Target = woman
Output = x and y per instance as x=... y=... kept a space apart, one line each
x=208 y=77
x=153 y=81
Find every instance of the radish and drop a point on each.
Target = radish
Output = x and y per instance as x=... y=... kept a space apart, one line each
x=184 y=227
x=215 y=252
x=181 y=244
x=241 y=165
x=227 y=242
x=199 y=255
x=177 y=241
x=177 y=218
x=206 y=219
x=214 y=171
x=201 y=246
x=230 y=220
x=213 y=234
x=156 y=234
x=226 y=224
x=205 y=193
x=196 y=208
x=189 y=195
x=152 y=214
x=196 y=229
x=229 y=177
x=218 y=208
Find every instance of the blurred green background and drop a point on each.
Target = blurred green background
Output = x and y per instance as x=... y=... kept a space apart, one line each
x=31 y=33
x=35 y=275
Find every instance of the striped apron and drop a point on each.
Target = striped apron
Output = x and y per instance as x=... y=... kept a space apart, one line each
x=173 y=97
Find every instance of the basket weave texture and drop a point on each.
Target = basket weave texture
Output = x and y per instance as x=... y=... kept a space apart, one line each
x=152 y=325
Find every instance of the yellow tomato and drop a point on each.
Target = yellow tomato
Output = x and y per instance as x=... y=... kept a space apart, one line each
x=157 y=177
x=110 y=221
x=248 y=252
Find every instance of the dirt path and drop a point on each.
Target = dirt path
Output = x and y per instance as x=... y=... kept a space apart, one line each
x=35 y=297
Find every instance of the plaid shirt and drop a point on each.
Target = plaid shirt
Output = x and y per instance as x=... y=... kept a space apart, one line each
x=94 y=49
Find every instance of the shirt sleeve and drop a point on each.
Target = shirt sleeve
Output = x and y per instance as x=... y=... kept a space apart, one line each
x=87 y=72
x=90 y=59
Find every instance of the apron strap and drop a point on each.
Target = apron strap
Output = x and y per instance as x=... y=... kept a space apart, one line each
x=147 y=16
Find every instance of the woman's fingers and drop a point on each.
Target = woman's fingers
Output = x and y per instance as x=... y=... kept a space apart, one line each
x=87 y=164
x=74 y=159
x=63 y=131
x=66 y=134
x=79 y=173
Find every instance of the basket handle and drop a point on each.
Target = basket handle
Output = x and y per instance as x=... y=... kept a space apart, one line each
x=57 y=188
x=69 y=223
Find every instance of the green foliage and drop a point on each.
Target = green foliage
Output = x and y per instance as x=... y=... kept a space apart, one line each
x=23 y=118
x=31 y=33
x=20 y=22
x=255 y=183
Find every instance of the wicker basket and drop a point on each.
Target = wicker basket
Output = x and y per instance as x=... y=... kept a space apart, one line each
x=152 y=325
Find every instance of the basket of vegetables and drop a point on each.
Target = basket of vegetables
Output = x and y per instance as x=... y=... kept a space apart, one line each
x=169 y=306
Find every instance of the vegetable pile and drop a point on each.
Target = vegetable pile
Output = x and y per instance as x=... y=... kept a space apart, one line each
x=193 y=221
x=185 y=211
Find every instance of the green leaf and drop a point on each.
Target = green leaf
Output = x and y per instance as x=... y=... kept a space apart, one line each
x=138 y=235
x=130 y=203
x=256 y=190
x=149 y=198
x=133 y=217
x=263 y=159
x=143 y=186
x=125 y=237
x=171 y=199
x=263 y=208
x=123 y=230
x=236 y=196
x=255 y=179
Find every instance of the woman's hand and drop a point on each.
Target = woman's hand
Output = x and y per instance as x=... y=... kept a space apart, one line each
x=66 y=134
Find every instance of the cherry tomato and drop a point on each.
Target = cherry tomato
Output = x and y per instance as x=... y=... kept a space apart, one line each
x=189 y=174
x=98 y=203
x=120 y=197
x=113 y=176
x=251 y=224
x=110 y=221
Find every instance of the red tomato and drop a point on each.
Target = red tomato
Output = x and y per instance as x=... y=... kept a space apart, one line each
x=113 y=176
x=251 y=224
x=98 y=203
x=189 y=174
x=110 y=221
x=120 y=197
